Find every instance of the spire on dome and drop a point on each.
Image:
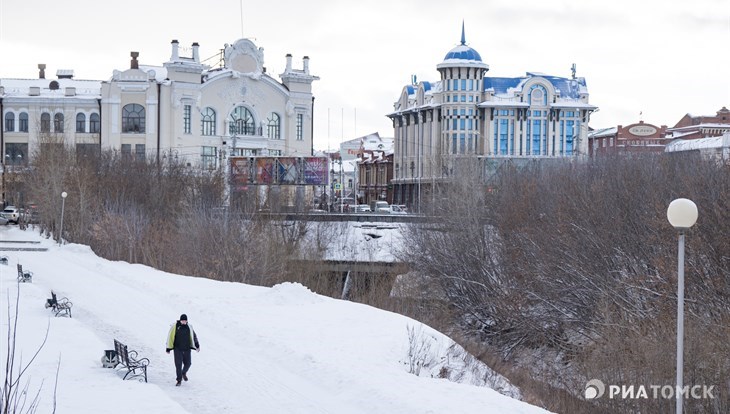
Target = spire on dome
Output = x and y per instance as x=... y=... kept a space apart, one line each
x=463 y=38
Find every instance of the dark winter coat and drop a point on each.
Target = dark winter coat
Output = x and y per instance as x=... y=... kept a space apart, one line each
x=182 y=336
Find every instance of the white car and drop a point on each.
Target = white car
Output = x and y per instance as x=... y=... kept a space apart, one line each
x=381 y=207
x=397 y=209
x=11 y=214
x=362 y=208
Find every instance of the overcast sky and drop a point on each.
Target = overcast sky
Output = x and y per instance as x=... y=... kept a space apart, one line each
x=662 y=58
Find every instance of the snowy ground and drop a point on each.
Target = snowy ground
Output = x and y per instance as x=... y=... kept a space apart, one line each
x=263 y=350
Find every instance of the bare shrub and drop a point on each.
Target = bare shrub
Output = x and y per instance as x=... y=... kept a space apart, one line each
x=569 y=270
x=15 y=395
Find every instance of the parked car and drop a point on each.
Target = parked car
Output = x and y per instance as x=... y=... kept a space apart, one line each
x=396 y=209
x=343 y=204
x=11 y=214
x=362 y=208
x=381 y=207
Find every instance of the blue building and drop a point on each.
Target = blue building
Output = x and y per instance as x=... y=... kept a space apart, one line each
x=468 y=116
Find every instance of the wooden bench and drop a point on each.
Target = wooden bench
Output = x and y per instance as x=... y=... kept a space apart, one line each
x=24 y=277
x=59 y=307
x=131 y=361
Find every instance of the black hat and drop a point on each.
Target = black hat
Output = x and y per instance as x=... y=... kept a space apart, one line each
x=183 y=317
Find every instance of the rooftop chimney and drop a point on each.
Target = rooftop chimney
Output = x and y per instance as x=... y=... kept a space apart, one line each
x=42 y=71
x=196 y=53
x=288 y=62
x=306 y=65
x=134 y=64
x=175 y=51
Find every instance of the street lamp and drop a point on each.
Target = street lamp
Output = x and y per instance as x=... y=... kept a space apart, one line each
x=682 y=214
x=63 y=204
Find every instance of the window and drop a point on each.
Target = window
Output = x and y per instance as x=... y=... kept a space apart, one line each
x=241 y=122
x=45 y=122
x=16 y=154
x=80 y=122
x=139 y=152
x=9 y=122
x=87 y=151
x=569 y=132
x=300 y=127
x=538 y=95
x=94 y=124
x=274 y=126
x=133 y=119
x=187 y=113
x=501 y=148
x=207 y=122
x=207 y=158
x=126 y=151
x=536 y=133
x=58 y=122
x=23 y=124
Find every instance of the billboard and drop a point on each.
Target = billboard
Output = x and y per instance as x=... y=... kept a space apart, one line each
x=315 y=171
x=278 y=171
x=240 y=172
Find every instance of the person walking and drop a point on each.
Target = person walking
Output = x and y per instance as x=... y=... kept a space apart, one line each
x=182 y=339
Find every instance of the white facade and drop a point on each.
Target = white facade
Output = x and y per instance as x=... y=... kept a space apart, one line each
x=467 y=114
x=183 y=109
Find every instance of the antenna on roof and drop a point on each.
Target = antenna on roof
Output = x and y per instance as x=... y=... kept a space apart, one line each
x=241 y=3
x=572 y=69
x=414 y=81
x=463 y=38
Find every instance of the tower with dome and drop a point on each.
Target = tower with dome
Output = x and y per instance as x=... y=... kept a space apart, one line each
x=467 y=115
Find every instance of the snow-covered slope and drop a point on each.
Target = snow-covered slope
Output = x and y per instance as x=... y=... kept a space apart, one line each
x=263 y=350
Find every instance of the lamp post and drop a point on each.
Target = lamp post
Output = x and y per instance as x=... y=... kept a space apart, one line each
x=682 y=214
x=63 y=204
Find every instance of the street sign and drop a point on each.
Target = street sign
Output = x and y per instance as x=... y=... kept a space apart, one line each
x=338 y=186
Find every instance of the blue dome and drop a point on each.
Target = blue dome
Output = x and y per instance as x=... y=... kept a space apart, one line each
x=463 y=52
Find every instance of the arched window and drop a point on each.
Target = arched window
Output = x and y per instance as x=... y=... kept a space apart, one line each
x=133 y=119
x=94 y=123
x=207 y=121
x=242 y=122
x=80 y=123
x=23 y=124
x=538 y=95
x=10 y=122
x=45 y=122
x=274 y=126
x=58 y=122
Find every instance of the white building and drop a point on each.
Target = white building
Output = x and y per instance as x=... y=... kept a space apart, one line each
x=183 y=109
x=712 y=148
x=467 y=114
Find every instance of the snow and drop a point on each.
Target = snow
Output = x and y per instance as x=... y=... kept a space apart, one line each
x=356 y=241
x=263 y=350
x=699 y=143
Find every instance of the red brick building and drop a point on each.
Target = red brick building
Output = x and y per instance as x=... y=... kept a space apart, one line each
x=703 y=126
x=635 y=138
